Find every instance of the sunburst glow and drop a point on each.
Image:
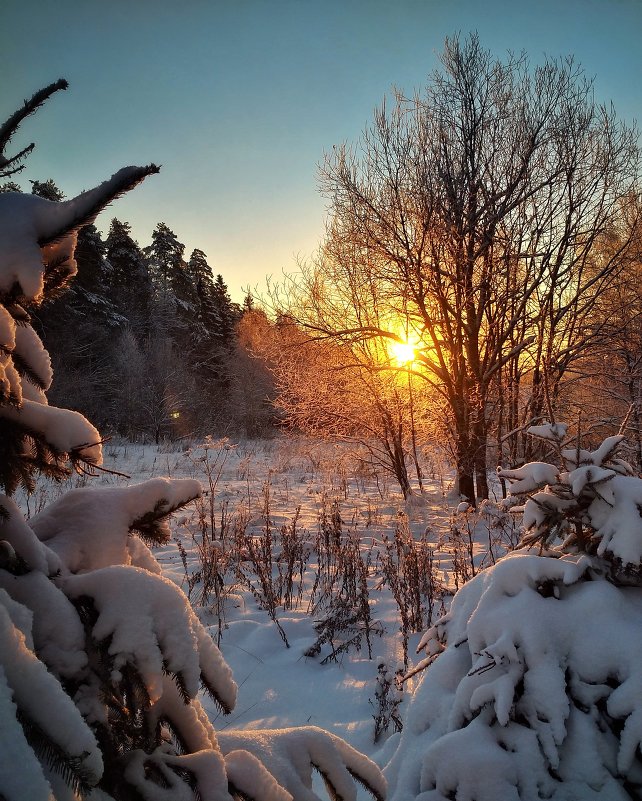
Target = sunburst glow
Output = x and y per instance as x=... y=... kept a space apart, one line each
x=403 y=352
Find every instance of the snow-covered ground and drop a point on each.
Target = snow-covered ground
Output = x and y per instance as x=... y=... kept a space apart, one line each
x=318 y=490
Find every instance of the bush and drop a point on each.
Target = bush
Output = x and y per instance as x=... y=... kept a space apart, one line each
x=533 y=679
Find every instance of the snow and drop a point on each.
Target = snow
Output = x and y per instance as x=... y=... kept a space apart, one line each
x=90 y=629
x=205 y=766
x=29 y=347
x=66 y=431
x=28 y=782
x=247 y=774
x=58 y=634
x=513 y=681
x=529 y=683
x=23 y=540
x=291 y=755
x=335 y=697
x=150 y=625
x=554 y=432
x=89 y=527
x=503 y=636
x=511 y=652
x=39 y=695
x=530 y=476
x=618 y=521
x=7 y=330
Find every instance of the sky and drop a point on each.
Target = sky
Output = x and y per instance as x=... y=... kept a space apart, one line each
x=239 y=100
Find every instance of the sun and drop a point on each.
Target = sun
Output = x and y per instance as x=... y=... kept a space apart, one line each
x=403 y=352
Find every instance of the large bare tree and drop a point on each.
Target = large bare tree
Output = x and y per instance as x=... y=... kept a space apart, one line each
x=473 y=212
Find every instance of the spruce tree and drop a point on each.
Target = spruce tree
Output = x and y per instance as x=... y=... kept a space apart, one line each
x=532 y=682
x=165 y=258
x=47 y=189
x=227 y=314
x=130 y=287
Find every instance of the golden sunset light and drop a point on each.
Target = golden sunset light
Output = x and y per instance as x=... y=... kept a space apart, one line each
x=403 y=352
x=332 y=426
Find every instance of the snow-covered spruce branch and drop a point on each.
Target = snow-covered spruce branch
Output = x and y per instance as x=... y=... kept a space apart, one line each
x=35 y=230
x=531 y=682
x=589 y=502
x=291 y=756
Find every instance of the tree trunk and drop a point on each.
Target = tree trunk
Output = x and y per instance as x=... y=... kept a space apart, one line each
x=399 y=467
x=466 y=480
x=465 y=461
x=478 y=448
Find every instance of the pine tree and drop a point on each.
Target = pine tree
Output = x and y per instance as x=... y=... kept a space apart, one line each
x=10 y=186
x=47 y=189
x=227 y=314
x=248 y=303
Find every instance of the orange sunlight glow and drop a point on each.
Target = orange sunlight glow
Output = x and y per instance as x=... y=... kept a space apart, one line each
x=403 y=352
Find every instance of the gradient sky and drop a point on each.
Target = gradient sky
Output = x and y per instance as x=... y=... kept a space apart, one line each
x=239 y=99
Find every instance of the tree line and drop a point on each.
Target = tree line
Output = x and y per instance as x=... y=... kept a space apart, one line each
x=145 y=340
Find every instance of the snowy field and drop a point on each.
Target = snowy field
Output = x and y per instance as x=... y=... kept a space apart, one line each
x=314 y=518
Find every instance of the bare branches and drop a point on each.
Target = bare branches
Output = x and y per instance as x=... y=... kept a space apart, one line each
x=475 y=216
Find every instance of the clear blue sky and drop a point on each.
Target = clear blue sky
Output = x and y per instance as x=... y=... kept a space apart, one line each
x=239 y=99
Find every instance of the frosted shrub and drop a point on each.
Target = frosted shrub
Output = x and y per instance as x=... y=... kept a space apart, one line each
x=588 y=502
x=533 y=679
x=340 y=598
x=407 y=567
x=269 y=561
x=101 y=658
x=469 y=527
x=387 y=700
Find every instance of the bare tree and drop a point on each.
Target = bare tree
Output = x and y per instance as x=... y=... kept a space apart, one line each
x=473 y=212
x=603 y=387
x=346 y=391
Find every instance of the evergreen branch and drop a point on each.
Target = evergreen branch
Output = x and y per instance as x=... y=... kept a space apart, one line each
x=238 y=795
x=211 y=690
x=79 y=778
x=5 y=173
x=105 y=194
x=24 y=451
x=179 y=681
x=11 y=561
x=365 y=784
x=149 y=526
x=56 y=277
x=178 y=742
x=19 y=314
x=25 y=370
x=9 y=128
x=332 y=790
x=92 y=469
